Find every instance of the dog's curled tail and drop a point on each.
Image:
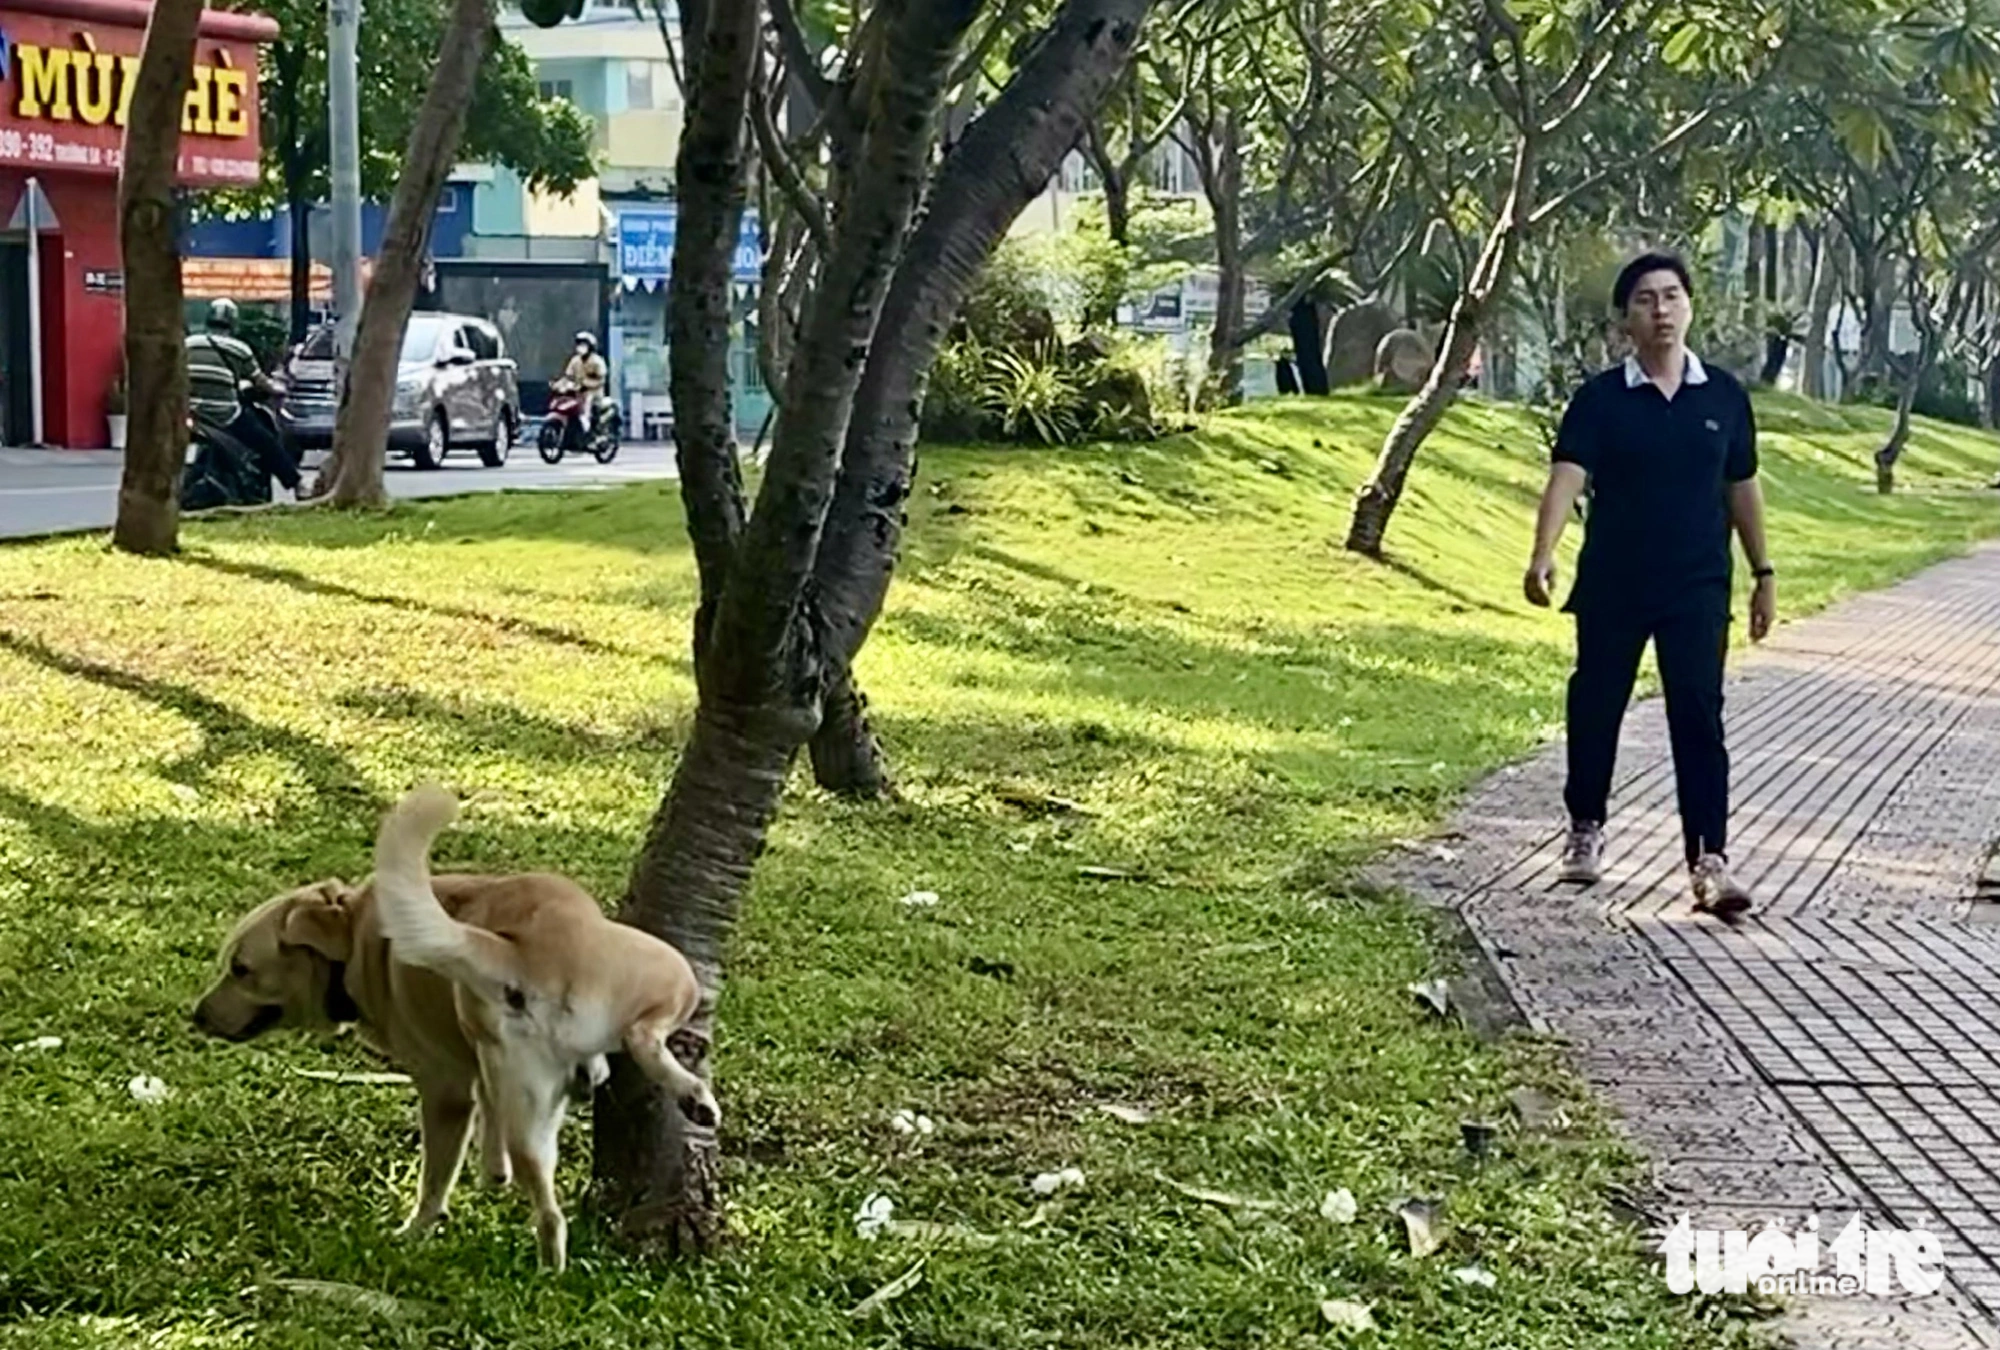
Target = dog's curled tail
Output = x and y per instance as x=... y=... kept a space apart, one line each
x=417 y=926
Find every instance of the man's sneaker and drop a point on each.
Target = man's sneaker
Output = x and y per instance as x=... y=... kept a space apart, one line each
x=1715 y=891
x=1583 y=855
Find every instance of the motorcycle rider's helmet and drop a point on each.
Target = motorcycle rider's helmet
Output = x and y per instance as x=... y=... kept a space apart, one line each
x=222 y=316
x=587 y=340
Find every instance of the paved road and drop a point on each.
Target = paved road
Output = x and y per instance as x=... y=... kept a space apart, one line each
x=50 y=491
x=1840 y=1051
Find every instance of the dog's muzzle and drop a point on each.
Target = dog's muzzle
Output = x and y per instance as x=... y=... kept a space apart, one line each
x=267 y=1016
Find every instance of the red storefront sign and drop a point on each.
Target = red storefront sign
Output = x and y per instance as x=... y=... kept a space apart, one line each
x=66 y=83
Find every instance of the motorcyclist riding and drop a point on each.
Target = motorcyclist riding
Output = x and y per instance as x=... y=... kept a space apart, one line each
x=587 y=371
x=239 y=451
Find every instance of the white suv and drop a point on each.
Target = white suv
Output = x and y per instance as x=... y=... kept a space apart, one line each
x=456 y=387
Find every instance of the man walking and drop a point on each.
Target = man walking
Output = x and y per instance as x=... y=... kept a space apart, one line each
x=1668 y=450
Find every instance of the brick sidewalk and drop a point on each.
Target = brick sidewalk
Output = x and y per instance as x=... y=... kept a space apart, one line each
x=1841 y=1050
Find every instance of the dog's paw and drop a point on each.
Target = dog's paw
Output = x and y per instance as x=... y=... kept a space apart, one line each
x=420 y=1225
x=700 y=1109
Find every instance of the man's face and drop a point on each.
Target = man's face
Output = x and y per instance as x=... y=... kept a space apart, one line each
x=1659 y=312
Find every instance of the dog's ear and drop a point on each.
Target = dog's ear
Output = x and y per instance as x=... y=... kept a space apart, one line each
x=321 y=922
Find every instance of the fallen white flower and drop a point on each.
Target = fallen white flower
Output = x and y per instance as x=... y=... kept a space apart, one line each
x=1048 y=1183
x=911 y=1122
x=1350 y=1316
x=1339 y=1206
x=873 y=1216
x=148 y=1089
x=41 y=1043
x=920 y=899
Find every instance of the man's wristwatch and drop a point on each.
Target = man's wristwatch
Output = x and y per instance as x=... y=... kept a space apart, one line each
x=1764 y=573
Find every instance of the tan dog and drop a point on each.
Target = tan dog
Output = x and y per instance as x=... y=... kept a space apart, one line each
x=542 y=998
x=504 y=992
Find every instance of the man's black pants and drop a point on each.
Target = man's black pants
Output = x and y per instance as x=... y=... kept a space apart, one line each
x=1690 y=646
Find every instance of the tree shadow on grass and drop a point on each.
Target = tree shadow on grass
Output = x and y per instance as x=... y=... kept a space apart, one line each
x=306 y=585
x=479 y=724
x=226 y=731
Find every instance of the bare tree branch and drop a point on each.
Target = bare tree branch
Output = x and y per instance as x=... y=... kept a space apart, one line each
x=783 y=169
x=1688 y=127
x=669 y=32
x=800 y=58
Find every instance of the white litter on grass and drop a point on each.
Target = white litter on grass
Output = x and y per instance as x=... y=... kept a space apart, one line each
x=148 y=1089
x=40 y=1043
x=1048 y=1183
x=1339 y=1206
x=919 y=900
x=1475 y=1275
x=911 y=1122
x=874 y=1216
x=1131 y=1115
x=1347 y=1315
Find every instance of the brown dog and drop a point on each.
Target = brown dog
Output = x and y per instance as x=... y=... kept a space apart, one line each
x=321 y=956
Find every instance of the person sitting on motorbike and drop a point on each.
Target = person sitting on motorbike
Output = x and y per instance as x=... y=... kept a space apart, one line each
x=236 y=467
x=587 y=371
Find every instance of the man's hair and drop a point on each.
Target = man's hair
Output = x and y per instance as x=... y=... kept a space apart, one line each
x=1643 y=265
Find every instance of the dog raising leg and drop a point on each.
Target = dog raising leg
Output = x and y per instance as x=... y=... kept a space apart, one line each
x=646 y=1042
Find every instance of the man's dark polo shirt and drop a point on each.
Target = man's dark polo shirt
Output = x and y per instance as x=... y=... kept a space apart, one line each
x=1656 y=540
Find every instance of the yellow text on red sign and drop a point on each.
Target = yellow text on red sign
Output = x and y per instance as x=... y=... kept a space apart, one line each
x=82 y=84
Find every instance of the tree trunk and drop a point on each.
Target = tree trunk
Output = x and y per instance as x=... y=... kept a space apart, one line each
x=1777 y=351
x=1377 y=499
x=1899 y=435
x=1906 y=402
x=155 y=346
x=657 y=1174
x=361 y=427
x=1420 y=416
x=299 y=208
x=1309 y=348
x=1003 y=161
x=759 y=662
x=847 y=756
x=1877 y=277
x=287 y=69
x=1117 y=187
x=1826 y=279
x=1225 y=197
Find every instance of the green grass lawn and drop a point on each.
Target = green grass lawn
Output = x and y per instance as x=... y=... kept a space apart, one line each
x=1167 y=637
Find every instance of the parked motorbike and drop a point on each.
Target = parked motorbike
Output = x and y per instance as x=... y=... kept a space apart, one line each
x=233 y=464
x=562 y=429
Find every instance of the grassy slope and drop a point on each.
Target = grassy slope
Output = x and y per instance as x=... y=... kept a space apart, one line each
x=1168 y=636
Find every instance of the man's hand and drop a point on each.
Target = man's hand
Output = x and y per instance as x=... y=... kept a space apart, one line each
x=1763 y=608
x=1540 y=583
